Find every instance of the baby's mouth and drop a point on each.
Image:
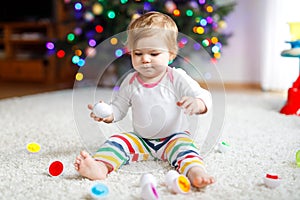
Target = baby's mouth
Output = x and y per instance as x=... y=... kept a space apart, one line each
x=147 y=66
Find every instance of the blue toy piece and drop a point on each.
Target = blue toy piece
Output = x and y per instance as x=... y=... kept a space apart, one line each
x=99 y=191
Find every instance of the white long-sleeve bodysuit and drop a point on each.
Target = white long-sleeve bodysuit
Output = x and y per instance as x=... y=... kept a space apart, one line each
x=154 y=110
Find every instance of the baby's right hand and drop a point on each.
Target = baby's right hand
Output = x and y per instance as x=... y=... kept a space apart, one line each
x=108 y=119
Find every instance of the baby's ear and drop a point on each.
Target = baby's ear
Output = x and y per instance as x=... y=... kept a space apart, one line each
x=172 y=56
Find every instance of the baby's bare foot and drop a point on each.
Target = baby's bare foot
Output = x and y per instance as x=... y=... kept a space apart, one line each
x=199 y=178
x=90 y=168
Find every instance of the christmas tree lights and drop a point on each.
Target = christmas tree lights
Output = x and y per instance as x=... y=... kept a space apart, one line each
x=97 y=20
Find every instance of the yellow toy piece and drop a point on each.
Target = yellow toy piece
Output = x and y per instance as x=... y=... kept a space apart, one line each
x=33 y=147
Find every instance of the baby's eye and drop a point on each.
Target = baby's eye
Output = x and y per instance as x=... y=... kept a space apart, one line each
x=137 y=54
x=154 y=54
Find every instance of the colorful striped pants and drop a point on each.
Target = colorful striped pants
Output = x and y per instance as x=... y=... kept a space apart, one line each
x=178 y=149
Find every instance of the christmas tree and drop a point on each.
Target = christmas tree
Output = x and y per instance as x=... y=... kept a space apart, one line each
x=97 y=20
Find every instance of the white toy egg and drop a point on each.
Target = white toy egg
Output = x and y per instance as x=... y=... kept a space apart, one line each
x=223 y=147
x=170 y=176
x=272 y=180
x=149 y=192
x=102 y=110
x=177 y=183
x=148 y=185
x=147 y=178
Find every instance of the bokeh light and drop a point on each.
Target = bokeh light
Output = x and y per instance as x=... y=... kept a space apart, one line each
x=114 y=41
x=135 y=16
x=214 y=40
x=81 y=62
x=200 y=30
x=61 y=53
x=209 y=9
x=78 y=52
x=92 y=42
x=176 y=13
x=99 y=29
x=217 y=55
x=75 y=59
x=123 y=1
x=78 y=6
x=197 y=46
x=79 y=76
x=88 y=16
x=78 y=31
x=118 y=53
x=201 y=1
x=189 y=13
x=203 y=22
x=111 y=14
x=97 y=9
x=215 y=49
x=71 y=37
x=50 y=45
x=205 y=43
x=90 y=52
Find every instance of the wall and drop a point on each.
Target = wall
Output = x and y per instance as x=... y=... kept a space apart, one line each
x=254 y=45
x=240 y=60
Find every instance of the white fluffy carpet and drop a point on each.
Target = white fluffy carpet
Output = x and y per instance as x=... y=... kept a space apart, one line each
x=261 y=141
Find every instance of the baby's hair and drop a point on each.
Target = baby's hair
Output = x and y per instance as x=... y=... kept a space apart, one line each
x=150 y=24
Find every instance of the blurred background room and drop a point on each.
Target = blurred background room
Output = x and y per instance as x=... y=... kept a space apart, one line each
x=42 y=49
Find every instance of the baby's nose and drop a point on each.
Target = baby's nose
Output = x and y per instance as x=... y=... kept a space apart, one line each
x=146 y=58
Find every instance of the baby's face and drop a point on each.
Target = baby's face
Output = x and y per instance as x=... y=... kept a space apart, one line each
x=151 y=57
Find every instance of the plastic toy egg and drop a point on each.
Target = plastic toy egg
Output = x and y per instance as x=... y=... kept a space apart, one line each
x=272 y=180
x=99 y=191
x=148 y=187
x=147 y=178
x=177 y=183
x=56 y=168
x=298 y=158
x=102 y=110
x=223 y=147
x=149 y=192
x=33 y=147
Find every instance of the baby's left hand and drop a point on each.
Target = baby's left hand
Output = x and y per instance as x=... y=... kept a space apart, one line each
x=192 y=105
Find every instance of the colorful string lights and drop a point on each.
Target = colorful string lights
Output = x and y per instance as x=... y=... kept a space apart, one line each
x=96 y=18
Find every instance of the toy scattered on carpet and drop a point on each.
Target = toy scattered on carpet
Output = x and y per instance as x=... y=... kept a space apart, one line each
x=272 y=180
x=33 y=147
x=56 y=168
x=298 y=158
x=148 y=186
x=99 y=191
x=223 y=147
x=177 y=183
x=102 y=110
